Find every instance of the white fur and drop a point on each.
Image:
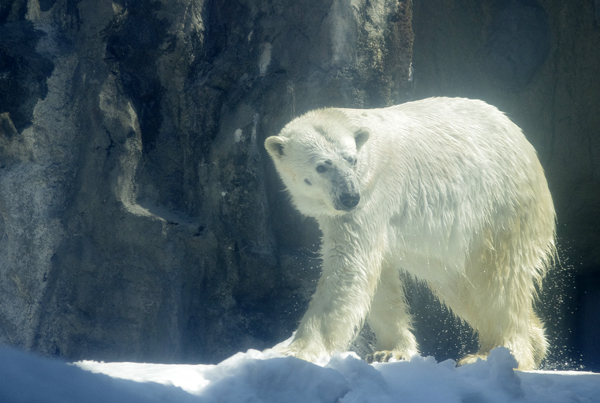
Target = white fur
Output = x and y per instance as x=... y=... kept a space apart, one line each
x=450 y=191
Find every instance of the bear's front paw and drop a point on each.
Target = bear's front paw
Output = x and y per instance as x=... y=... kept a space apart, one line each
x=386 y=356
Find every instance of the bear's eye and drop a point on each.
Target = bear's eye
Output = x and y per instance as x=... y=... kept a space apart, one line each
x=307 y=182
x=321 y=168
x=351 y=160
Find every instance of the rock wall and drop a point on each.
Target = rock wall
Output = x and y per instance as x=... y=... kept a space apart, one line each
x=139 y=216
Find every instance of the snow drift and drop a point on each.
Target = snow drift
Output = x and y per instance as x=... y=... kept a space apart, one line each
x=269 y=377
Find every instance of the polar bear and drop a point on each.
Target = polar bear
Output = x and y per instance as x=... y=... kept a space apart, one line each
x=447 y=189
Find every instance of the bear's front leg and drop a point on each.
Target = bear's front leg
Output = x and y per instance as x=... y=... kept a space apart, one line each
x=351 y=268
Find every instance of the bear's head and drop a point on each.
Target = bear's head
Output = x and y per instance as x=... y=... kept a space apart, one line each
x=317 y=157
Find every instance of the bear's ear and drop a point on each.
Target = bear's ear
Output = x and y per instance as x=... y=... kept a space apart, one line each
x=275 y=146
x=360 y=137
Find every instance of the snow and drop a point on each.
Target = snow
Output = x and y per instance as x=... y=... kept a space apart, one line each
x=269 y=377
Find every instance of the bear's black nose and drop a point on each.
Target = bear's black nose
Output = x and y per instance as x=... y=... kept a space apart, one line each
x=349 y=200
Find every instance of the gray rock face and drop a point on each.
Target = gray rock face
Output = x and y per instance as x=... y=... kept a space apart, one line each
x=139 y=216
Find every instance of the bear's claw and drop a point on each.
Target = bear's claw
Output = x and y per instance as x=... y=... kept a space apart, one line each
x=385 y=356
x=471 y=358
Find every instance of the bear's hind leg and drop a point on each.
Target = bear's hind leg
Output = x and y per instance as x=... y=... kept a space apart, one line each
x=529 y=349
x=500 y=309
x=390 y=321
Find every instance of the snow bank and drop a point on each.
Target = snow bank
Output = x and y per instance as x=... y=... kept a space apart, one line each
x=268 y=377
x=27 y=378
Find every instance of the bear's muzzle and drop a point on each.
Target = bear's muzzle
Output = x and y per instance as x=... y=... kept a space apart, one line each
x=345 y=195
